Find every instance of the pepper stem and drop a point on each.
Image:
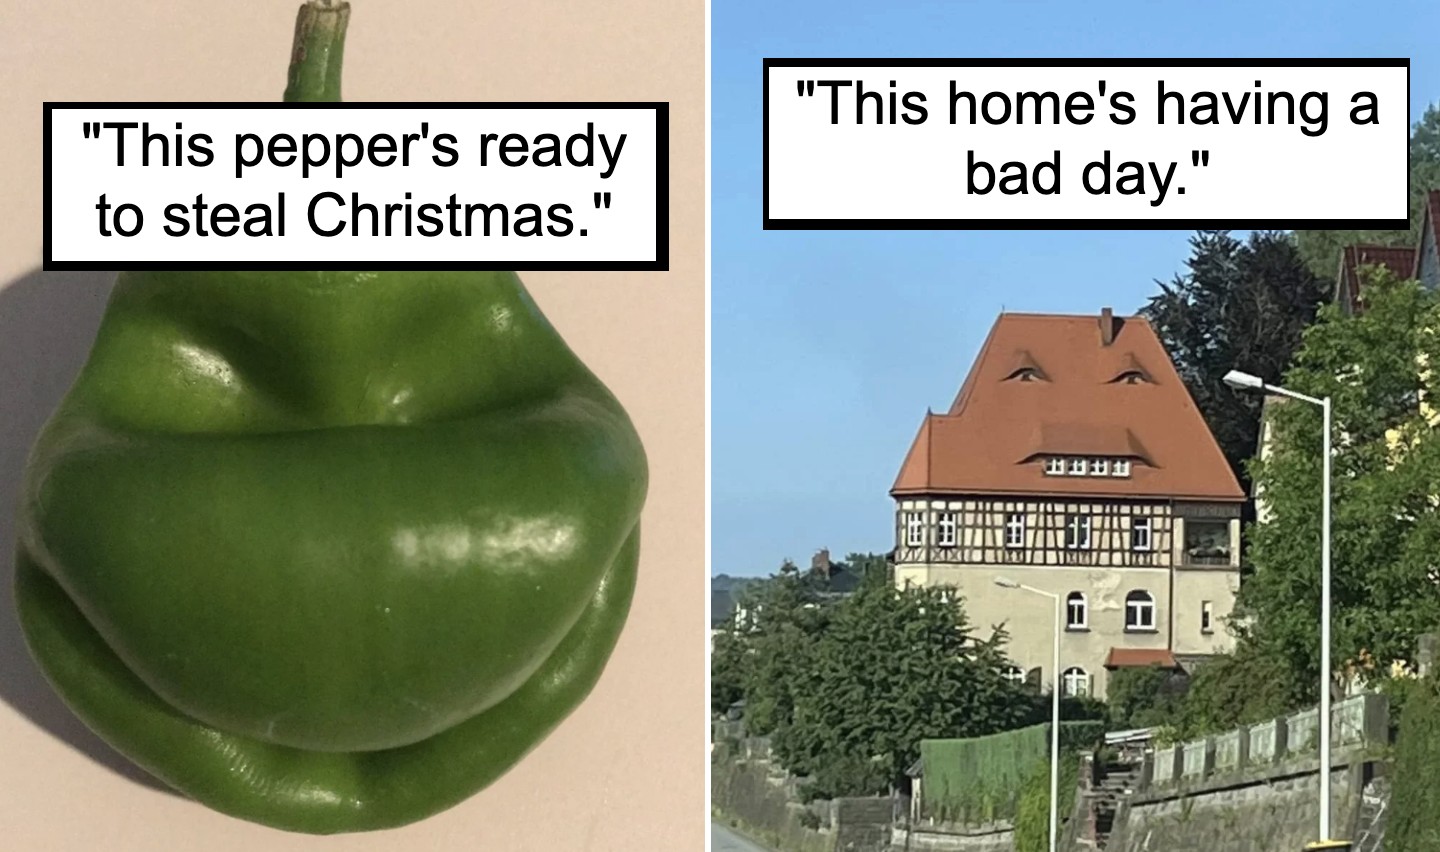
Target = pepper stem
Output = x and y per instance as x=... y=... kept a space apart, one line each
x=318 y=52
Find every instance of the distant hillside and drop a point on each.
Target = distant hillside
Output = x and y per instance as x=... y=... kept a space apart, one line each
x=726 y=583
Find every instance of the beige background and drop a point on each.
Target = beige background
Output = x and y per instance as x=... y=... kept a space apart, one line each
x=626 y=771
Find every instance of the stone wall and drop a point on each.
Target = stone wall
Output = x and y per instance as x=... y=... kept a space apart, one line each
x=996 y=837
x=862 y=825
x=1257 y=789
x=754 y=794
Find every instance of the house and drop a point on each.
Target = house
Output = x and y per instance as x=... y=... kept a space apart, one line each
x=1421 y=263
x=1074 y=461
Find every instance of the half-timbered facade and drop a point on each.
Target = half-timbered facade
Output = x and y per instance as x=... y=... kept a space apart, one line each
x=1074 y=462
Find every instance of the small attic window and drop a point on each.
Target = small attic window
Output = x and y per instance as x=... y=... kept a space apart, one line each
x=1133 y=377
x=1026 y=374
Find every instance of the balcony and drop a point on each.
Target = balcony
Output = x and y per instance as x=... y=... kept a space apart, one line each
x=1207 y=544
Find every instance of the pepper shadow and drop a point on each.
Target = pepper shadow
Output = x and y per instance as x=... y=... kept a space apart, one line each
x=48 y=322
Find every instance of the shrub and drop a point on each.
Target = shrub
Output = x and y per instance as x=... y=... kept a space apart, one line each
x=1032 y=817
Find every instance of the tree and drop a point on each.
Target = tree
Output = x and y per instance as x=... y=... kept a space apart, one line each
x=1236 y=689
x=783 y=617
x=1386 y=475
x=1321 y=249
x=729 y=659
x=893 y=667
x=1239 y=305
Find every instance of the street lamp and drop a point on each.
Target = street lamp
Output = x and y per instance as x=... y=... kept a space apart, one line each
x=1245 y=381
x=1054 y=711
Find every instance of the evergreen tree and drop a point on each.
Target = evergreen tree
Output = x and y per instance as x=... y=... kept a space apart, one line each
x=1239 y=305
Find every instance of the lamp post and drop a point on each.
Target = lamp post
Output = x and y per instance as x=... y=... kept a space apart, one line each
x=1054 y=711
x=1245 y=381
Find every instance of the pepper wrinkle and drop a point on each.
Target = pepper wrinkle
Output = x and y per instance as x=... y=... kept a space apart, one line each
x=328 y=551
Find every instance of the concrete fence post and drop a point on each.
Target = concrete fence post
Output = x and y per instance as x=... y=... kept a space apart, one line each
x=1377 y=719
x=1282 y=739
x=1242 y=748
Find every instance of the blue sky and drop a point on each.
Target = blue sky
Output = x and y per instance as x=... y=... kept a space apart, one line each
x=829 y=346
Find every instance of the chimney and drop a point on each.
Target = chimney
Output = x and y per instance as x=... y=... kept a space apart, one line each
x=1107 y=327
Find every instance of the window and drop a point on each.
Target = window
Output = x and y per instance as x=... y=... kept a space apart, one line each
x=1140 y=534
x=1077 y=467
x=1099 y=467
x=1014 y=529
x=1139 y=611
x=1077 y=532
x=1054 y=466
x=1206 y=617
x=1014 y=674
x=1077 y=682
x=947 y=529
x=1120 y=468
x=914 y=528
x=1076 y=617
x=1207 y=542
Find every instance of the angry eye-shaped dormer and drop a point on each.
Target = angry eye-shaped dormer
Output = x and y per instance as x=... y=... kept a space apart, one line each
x=1024 y=368
x=1131 y=372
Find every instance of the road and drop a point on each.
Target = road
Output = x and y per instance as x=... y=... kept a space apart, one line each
x=723 y=839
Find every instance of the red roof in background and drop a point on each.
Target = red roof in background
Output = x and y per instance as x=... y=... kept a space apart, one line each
x=1400 y=261
x=1431 y=220
x=1082 y=403
x=1121 y=658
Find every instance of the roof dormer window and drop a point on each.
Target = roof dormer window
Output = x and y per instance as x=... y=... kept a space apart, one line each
x=1027 y=374
x=1087 y=466
x=1133 y=377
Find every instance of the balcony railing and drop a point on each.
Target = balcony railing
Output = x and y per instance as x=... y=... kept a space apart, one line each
x=1220 y=559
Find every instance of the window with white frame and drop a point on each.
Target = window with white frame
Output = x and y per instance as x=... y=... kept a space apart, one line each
x=946 y=529
x=1015 y=529
x=1121 y=467
x=1077 y=467
x=1099 y=467
x=1139 y=611
x=1076 y=682
x=1054 y=466
x=914 y=529
x=1014 y=674
x=1076 y=612
x=1140 y=534
x=1077 y=532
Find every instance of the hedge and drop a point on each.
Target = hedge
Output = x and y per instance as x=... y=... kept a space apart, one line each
x=982 y=779
x=1415 y=797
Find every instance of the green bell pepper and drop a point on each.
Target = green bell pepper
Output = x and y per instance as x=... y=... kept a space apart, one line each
x=328 y=551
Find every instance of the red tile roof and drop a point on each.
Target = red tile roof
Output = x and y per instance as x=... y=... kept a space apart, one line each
x=1121 y=658
x=1000 y=427
x=1400 y=261
x=1429 y=219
